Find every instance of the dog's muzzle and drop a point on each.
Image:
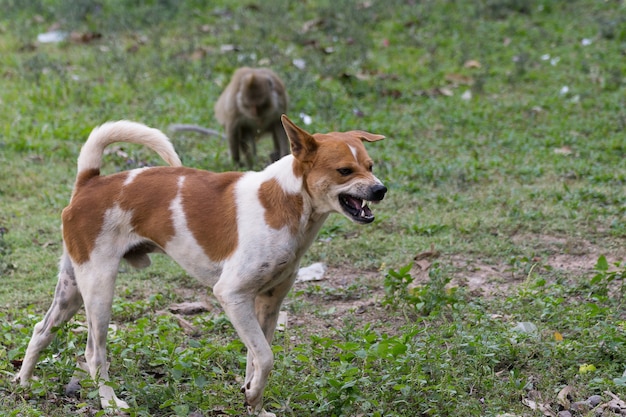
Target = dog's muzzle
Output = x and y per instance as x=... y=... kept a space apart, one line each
x=356 y=207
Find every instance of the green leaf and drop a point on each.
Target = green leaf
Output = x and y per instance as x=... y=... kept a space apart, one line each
x=602 y=264
x=200 y=381
x=620 y=382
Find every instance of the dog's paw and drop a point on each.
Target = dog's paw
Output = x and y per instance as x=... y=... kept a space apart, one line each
x=116 y=404
x=258 y=409
x=23 y=381
x=254 y=397
x=260 y=413
x=109 y=401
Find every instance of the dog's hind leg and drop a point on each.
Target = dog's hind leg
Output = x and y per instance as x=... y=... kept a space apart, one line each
x=96 y=280
x=67 y=300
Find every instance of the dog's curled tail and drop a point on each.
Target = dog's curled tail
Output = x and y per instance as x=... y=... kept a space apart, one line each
x=90 y=157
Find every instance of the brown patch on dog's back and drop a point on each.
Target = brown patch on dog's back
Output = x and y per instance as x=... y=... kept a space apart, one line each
x=208 y=202
x=281 y=209
x=148 y=196
x=211 y=211
x=83 y=217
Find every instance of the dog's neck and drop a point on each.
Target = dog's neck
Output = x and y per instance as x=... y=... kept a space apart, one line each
x=283 y=172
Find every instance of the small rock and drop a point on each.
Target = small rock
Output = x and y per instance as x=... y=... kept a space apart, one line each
x=72 y=389
x=564 y=413
x=281 y=323
x=594 y=400
x=313 y=272
x=526 y=327
x=580 y=406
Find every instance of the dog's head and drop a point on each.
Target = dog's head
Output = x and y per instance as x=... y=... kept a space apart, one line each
x=337 y=170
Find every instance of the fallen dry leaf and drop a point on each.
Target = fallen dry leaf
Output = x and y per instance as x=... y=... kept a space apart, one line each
x=84 y=37
x=187 y=327
x=459 y=79
x=189 y=308
x=393 y=93
x=310 y=24
x=536 y=109
x=423 y=265
x=564 y=396
x=616 y=405
x=445 y=91
x=429 y=254
x=563 y=150
x=228 y=48
x=544 y=408
x=472 y=63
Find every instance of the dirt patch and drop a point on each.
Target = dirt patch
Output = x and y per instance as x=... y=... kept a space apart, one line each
x=344 y=294
x=551 y=255
x=347 y=294
x=481 y=278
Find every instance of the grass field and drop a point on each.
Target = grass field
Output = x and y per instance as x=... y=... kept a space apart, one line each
x=493 y=279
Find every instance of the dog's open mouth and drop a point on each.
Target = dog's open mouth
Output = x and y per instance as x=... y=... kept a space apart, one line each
x=356 y=208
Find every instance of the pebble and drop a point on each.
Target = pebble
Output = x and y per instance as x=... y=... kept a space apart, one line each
x=581 y=406
x=72 y=389
x=594 y=400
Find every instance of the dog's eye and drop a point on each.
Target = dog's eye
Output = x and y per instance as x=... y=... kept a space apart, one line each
x=345 y=171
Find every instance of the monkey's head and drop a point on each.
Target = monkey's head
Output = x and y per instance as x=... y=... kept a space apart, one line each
x=255 y=95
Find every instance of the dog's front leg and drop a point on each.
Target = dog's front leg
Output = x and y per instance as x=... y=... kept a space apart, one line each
x=239 y=305
x=267 y=307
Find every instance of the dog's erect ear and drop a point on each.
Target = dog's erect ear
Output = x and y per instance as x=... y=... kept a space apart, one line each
x=302 y=142
x=366 y=136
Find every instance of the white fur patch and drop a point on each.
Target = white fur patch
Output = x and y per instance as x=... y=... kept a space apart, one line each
x=354 y=152
x=117 y=233
x=133 y=174
x=184 y=248
x=282 y=171
x=250 y=220
x=261 y=248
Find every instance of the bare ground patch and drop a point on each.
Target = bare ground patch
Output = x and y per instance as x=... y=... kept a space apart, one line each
x=554 y=254
x=346 y=293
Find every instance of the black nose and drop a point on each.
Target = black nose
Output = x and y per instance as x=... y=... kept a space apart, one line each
x=378 y=192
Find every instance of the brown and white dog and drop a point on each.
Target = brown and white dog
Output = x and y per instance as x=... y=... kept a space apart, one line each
x=244 y=233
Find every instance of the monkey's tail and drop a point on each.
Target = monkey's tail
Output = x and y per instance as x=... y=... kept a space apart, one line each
x=195 y=128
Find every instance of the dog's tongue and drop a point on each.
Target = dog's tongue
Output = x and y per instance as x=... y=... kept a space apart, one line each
x=364 y=210
x=355 y=202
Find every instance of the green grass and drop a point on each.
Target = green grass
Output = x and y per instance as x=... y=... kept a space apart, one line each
x=518 y=175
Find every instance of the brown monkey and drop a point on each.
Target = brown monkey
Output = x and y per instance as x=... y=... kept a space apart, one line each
x=250 y=106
